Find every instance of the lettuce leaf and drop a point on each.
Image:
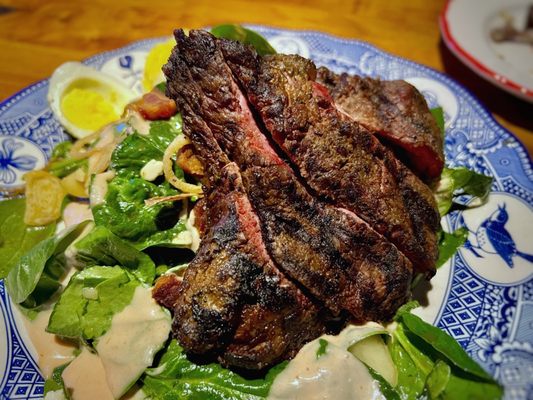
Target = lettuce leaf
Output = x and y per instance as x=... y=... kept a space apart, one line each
x=88 y=303
x=125 y=213
x=102 y=247
x=35 y=278
x=243 y=35
x=55 y=382
x=155 y=225
x=136 y=150
x=458 y=181
x=15 y=237
x=176 y=377
x=61 y=164
x=438 y=114
x=425 y=353
x=449 y=243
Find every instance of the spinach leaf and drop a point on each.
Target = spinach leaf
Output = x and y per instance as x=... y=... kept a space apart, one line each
x=385 y=387
x=438 y=114
x=156 y=225
x=101 y=247
x=449 y=243
x=411 y=381
x=464 y=388
x=438 y=379
x=124 y=203
x=35 y=278
x=61 y=164
x=243 y=35
x=322 y=348
x=176 y=377
x=136 y=150
x=55 y=382
x=90 y=300
x=431 y=363
x=444 y=344
x=456 y=181
x=15 y=237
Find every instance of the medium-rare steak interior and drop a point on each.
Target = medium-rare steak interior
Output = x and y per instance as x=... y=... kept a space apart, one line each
x=292 y=239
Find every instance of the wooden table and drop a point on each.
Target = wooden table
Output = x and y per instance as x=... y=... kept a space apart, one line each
x=36 y=36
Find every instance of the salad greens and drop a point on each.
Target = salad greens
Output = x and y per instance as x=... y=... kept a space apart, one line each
x=155 y=225
x=449 y=243
x=454 y=182
x=88 y=303
x=438 y=114
x=243 y=35
x=101 y=247
x=55 y=382
x=15 y=237
x=432 y=364
x=61 y=164
x=457 y=181
x=176 y=377
x=35 y=278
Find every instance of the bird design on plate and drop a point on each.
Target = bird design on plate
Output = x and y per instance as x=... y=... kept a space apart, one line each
x=492 y=237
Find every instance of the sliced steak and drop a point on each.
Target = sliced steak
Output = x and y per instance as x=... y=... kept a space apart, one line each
x=336 y=256
x=340 y=160
x=232 y=289
x=396 y=111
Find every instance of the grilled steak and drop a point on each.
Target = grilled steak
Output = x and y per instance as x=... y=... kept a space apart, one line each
x=396 y=112
x=337 y=257
x=340 y=160
x=284 y=251
x=233 y=301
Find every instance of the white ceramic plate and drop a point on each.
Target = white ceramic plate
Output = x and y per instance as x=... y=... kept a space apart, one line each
x=466 y=26
x=477 y=297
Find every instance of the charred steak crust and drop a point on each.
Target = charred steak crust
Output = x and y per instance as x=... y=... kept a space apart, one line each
x=337 y=257
x=232 y=291
x=396 y=112
x=340 y=160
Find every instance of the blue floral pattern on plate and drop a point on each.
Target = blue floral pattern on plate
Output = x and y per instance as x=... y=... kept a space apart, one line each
x=476 y=297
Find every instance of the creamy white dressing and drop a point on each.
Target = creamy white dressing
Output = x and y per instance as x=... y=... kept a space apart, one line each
x=195 y=235
x=85 y=378
x=76 y=212
x=151 y=170
x=71 y=252
x=51 y=350
x=99 y=187
x=136 y=334
x=337 y=374
x=355 y=333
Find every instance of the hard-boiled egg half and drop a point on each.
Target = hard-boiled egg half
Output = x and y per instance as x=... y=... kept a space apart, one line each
x=84 y=99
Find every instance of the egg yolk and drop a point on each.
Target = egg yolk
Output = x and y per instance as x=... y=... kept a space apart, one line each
x=87 y=109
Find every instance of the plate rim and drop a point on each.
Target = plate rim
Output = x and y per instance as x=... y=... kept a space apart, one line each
x=476 y=65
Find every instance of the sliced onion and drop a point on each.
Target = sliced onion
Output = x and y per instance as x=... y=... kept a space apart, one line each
x=104 y=138
x=168 y=169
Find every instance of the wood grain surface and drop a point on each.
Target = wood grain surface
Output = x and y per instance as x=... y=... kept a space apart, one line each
x=36 y=36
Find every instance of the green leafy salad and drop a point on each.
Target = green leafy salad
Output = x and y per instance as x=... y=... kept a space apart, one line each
x=113 y=211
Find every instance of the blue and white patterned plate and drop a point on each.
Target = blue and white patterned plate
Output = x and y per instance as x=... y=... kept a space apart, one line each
x=483 y=297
